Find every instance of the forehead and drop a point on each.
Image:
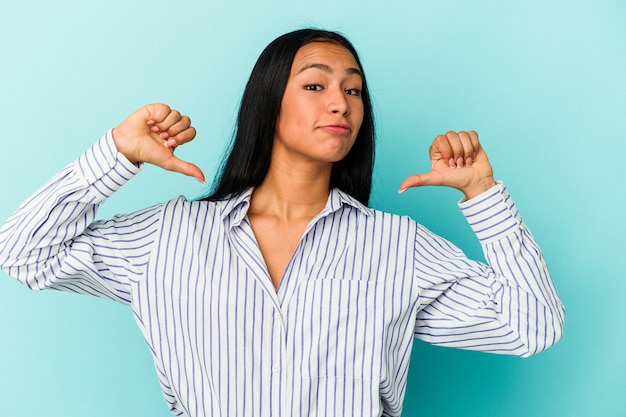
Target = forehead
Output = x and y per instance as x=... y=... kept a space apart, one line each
x=327 y=53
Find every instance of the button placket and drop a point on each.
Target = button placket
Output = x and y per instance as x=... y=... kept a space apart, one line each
x=277 y=370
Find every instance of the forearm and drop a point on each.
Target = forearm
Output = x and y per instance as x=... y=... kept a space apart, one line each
x=509 y=306
x=527 y=297
x=63 y=208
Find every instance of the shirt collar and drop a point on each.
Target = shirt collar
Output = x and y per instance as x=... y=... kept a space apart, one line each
x=339 y=198
x=235 y=208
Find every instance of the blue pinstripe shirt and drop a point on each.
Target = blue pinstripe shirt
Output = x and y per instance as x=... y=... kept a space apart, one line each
x=334 y=338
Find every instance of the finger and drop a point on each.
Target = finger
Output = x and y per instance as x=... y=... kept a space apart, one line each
x=186 y=135
x=474 y=138
x=181 y=138
x=458 y=152
x=441 y=149
x=419 y=180
x=181 y=127
x=469 y=152
x=170 y=119
x=157 y=113
x=178 y=165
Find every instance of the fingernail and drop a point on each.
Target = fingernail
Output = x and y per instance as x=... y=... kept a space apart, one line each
x=150 y=122
x=469 y=162
x=170 y=143
x=200 y=180
x=451 y=163
x=401 y=190
x=459 y=162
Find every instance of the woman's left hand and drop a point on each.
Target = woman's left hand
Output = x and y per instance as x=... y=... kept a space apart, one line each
x=458 y=161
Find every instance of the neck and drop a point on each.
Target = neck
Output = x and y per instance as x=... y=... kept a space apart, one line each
x=290 y=192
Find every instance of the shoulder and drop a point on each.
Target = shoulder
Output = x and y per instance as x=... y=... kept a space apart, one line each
x=371 y=215
x=181 y=209
x=390 y=223
x=380 y=215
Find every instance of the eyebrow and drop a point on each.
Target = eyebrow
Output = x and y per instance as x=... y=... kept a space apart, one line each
x=329 y=70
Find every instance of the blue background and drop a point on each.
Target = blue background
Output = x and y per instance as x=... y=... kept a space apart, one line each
x=543 y=82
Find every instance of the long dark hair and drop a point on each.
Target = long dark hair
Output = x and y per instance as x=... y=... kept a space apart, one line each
x=249 y=158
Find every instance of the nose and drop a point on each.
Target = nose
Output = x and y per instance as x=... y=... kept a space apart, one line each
x=338 y=102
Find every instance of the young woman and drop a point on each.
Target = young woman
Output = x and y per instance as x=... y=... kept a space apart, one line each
x=282 y=293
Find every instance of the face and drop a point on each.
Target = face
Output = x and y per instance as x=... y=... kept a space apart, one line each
x=322 y=109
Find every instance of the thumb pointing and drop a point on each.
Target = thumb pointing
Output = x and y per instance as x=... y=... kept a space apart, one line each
x=178 y=165
x=417 y=180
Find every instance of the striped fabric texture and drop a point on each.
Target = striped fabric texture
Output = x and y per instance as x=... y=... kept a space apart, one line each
x=334 y=339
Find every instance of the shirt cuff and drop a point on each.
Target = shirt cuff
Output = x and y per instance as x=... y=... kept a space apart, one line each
x=492 y=214
x=104 y=169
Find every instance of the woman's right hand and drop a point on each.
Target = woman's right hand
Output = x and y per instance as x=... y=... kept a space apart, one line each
x=152 y=133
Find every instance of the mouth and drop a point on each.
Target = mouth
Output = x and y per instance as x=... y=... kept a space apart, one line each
x=339 y=129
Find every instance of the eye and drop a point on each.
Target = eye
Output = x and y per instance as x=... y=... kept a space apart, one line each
x=313 y=87
x=353 y=92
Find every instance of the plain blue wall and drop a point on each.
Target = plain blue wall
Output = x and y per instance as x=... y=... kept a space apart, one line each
x=543 y=82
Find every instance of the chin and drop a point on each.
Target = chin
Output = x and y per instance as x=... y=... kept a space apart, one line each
x=336 y=154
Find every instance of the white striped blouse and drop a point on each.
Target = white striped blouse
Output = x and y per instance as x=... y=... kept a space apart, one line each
x=333 y=340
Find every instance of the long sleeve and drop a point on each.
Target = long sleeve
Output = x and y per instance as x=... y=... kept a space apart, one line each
x=51 y=241
x=509 y=306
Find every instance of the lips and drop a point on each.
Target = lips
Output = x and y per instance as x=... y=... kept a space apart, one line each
x=339 y=129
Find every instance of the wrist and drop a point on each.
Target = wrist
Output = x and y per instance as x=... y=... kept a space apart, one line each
x=120 y=141
x=478 y=188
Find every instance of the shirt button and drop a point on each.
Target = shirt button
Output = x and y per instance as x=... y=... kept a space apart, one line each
x=277 y=316
x=276 y=368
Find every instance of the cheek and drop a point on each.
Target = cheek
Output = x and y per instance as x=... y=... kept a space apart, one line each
x=286 y=117
x=295 y=113
x=359 y=114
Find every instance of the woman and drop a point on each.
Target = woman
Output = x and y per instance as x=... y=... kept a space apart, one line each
x=282 y=293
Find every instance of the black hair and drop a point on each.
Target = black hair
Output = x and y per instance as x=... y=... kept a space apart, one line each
x=248 y=161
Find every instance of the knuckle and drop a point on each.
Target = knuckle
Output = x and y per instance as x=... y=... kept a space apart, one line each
x=164 y=109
